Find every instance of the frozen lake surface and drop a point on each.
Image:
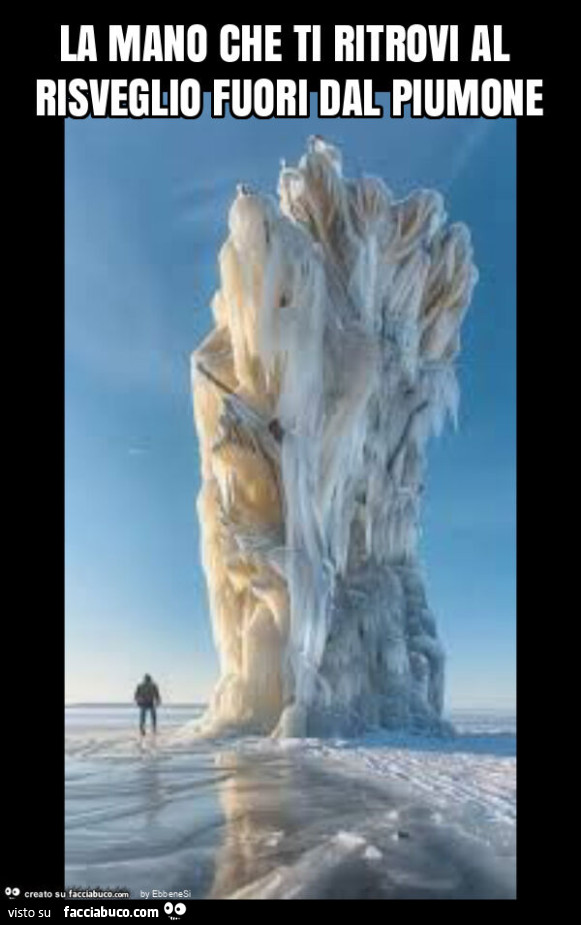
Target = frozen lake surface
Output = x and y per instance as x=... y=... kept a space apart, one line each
x=388 y=816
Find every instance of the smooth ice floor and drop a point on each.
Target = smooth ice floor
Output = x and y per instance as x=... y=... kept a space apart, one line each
x=380 y=818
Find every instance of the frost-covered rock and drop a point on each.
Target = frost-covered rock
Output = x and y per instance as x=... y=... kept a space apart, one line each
x=330 y=364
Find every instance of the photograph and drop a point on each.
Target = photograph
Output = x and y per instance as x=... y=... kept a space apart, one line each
x=290 y=661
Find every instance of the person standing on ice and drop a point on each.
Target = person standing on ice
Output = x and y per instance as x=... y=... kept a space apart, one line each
x=147 y=699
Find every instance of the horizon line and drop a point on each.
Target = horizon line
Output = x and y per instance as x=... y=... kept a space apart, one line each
x=130 y=703
x=183 y=703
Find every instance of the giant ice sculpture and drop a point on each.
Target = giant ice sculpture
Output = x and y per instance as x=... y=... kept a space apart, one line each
x=330 y=364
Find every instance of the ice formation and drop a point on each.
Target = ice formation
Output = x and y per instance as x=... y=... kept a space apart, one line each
x=330 y=364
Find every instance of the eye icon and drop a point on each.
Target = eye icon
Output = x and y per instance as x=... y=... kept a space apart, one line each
x=12 y=891
x=16 y=891
x=175 y=911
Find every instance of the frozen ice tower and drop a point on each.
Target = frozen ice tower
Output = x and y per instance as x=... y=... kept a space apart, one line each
x=330 y=364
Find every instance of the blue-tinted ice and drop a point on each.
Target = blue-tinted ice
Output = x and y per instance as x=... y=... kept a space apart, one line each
x=253 y=820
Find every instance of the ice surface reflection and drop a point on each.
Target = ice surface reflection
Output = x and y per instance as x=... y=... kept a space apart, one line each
x=251 y=820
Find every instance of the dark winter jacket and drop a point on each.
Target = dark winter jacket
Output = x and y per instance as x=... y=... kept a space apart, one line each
x=147 y=694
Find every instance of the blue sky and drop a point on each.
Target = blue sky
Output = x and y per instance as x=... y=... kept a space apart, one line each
x=146 y=206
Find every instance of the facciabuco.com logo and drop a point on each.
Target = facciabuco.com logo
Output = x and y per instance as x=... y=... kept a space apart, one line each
x=176 y=911
x=77 y=892
x=104 y=912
